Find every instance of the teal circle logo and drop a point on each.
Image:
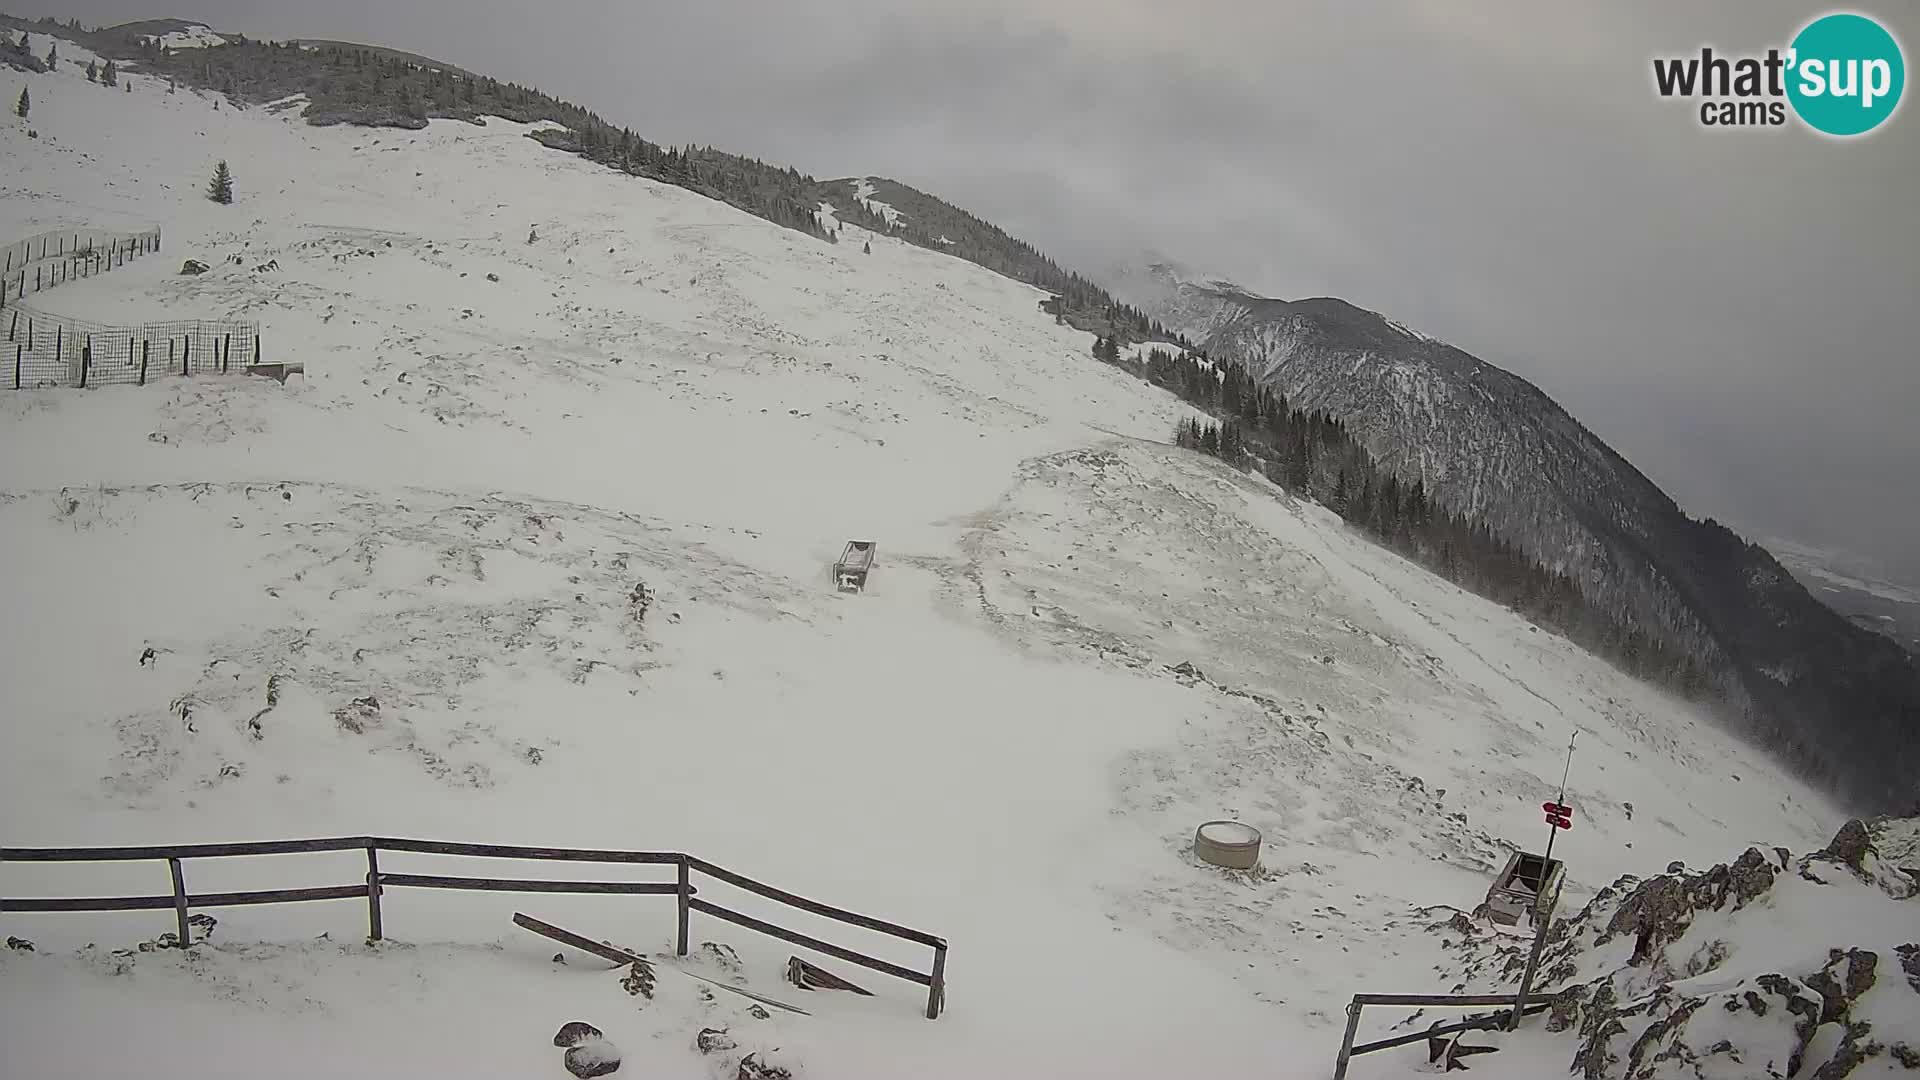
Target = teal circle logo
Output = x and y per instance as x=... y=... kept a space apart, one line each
x=1847 y=74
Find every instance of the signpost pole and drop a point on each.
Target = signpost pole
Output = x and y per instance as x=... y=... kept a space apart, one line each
x=1543 y=916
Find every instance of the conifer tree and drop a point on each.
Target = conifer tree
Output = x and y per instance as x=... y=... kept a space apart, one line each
x=867 y=248
x=24 y=105
x=93 y=72
x=53 y=55
x=109 y=75
x=221 y=190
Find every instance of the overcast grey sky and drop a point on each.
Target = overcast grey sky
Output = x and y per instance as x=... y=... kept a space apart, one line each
x=1736 y=312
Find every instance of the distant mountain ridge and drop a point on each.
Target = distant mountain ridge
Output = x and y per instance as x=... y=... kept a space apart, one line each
x=1841 y=702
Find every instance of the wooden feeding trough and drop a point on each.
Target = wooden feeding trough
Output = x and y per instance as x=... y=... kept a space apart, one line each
x=856 y=562
x=1517 y=893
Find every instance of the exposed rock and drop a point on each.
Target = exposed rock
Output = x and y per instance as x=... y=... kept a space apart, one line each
x=19 y=944
x=575 y=1032
x=1186 y=670
x=1850 y=845
x=359 y=714
x=594 y=1057
x=1909 y=962
x=1854 y=1048
x=752 y=1068
x=714 y=1041
x=1565 y=1011
x=194 y=266
x=721 y=956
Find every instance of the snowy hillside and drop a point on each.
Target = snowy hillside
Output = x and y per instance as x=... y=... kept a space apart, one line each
x=190 y=36
x=401 y=595
x=1839 y=702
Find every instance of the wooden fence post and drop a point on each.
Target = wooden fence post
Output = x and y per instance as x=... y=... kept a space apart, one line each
x=680 y=944
x=146 y=347
x=1346 y=1041
x=256 y=348
x=373 y=893
x=59 y=338
x=86 y=361
x=227 y=357
x=937 y=989
x=180 y=902
x=19 y=350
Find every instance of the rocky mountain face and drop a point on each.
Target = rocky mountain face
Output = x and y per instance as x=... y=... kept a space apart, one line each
x=1842 y=703
x=1687 y=973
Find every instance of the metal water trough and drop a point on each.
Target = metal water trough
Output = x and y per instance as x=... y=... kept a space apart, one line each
x=856 y=562
x=1228 y=843
x=1516 y=893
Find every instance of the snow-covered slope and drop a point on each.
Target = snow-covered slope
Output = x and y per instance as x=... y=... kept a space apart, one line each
x=189 y=36
x=1839 y=702
x=451 y=514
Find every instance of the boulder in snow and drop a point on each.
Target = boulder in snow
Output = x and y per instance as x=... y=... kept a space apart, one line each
x=753 y=1068
x=193 y=266
x=714 y=1041
x=594 y=1057
x=575 y=1032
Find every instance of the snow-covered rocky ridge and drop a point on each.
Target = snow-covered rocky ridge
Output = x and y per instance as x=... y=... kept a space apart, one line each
x=1773 y=965
x=1078 y=644
x=1838 y=700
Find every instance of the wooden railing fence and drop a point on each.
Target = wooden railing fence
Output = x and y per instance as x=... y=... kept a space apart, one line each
x=1533 y=1003
x=682 y=888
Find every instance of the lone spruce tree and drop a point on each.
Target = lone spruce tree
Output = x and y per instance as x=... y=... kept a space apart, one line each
x=24 y=105
x=221 y=190
x=93 y=71
x=109 y=75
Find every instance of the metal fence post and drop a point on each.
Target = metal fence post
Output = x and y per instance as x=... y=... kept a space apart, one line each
x=373 y=893
x=180 y=902
x=1346 y=1041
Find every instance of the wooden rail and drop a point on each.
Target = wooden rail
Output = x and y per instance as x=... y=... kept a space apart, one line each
x=1534 y=1003
x=377 y=881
